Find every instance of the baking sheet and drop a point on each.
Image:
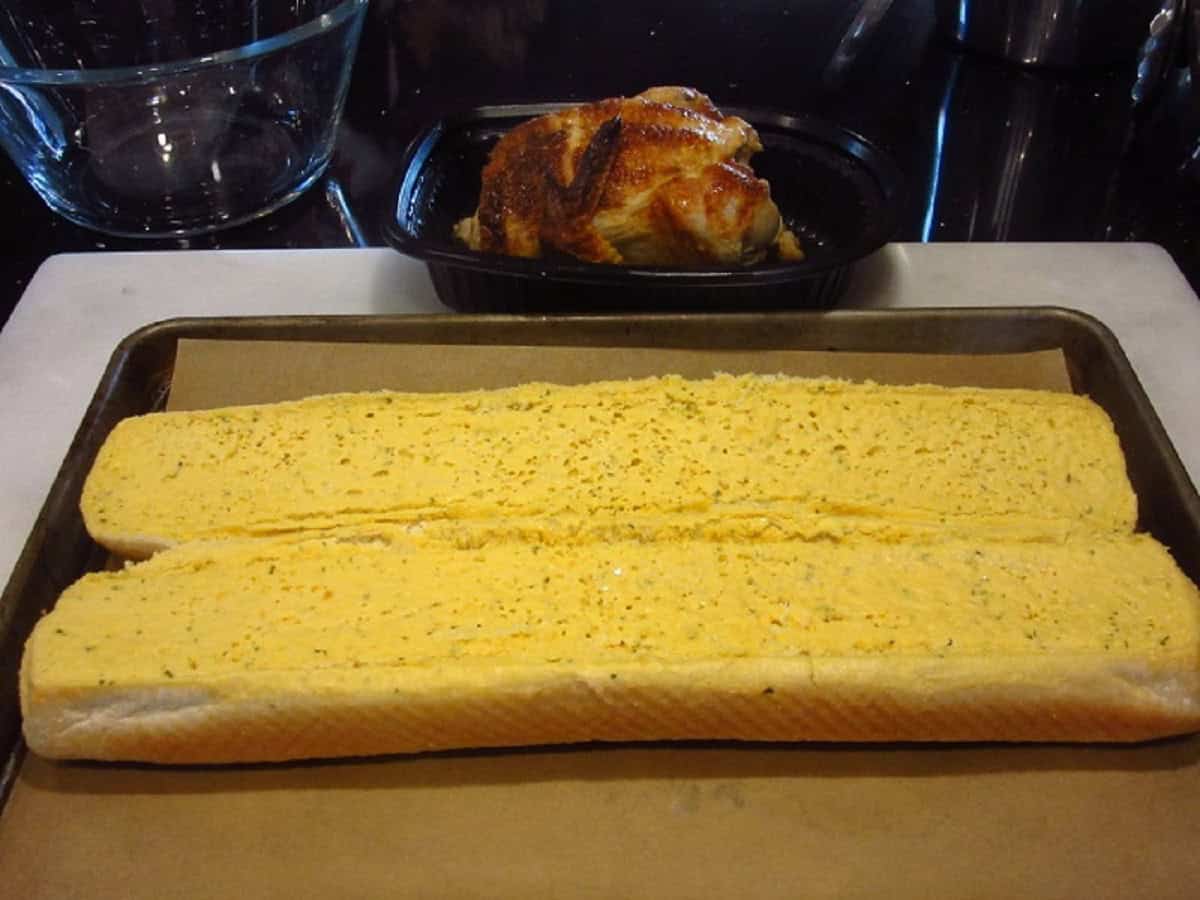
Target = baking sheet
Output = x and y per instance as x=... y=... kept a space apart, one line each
x=661 y=821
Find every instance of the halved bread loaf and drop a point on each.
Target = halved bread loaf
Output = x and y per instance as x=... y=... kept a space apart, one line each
x=655 y=457
x=284 y=649
x=750 y=558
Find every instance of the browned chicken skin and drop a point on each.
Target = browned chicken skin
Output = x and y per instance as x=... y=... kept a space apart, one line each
x=662 y=178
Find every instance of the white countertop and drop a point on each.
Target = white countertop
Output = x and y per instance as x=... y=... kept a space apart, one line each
x=76 y=309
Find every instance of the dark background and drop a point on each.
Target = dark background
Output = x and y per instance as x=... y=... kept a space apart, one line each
x=991 y=151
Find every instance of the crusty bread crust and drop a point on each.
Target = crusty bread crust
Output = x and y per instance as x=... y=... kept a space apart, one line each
x=133 y=547
x=279 y=716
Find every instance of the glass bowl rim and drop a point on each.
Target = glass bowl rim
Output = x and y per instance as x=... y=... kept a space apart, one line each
x=316 y=26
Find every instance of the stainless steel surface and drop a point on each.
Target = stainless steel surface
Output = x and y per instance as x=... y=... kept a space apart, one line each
x=1058 y=33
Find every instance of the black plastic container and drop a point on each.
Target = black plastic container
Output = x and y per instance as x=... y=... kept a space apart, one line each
x=839 y=194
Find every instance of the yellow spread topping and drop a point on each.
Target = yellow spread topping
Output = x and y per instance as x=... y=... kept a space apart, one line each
x=722 y=453
x=205 y=611
x=624 y=523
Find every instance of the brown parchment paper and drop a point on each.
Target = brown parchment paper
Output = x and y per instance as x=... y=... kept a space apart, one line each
x=608 y=822
x=213 y=373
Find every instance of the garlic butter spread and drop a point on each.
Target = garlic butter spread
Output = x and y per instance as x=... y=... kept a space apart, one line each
x=390 y=607
x=745 y=558
x=732 y=456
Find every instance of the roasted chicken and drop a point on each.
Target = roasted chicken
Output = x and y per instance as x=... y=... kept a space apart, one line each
x=662 y=178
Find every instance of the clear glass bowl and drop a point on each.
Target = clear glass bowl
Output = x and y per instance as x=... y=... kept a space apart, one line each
x=187 y=117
